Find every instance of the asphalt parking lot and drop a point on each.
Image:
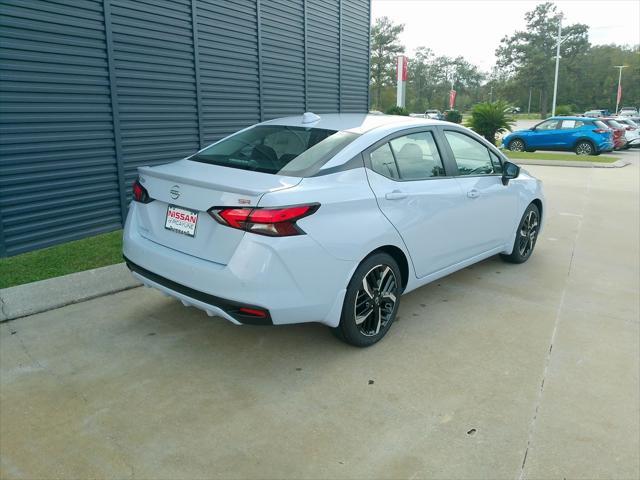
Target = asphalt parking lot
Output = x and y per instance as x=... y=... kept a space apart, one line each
x=497 y=371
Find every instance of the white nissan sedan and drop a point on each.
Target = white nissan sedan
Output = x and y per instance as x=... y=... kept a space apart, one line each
x=327 y=219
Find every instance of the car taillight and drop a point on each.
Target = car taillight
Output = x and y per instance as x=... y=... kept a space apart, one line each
x=601 y=130
x=140 y=193
x=274 y=222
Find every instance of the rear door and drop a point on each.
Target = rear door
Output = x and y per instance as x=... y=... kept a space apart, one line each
x=489 y=207
x=571 y=132
x=413 y=191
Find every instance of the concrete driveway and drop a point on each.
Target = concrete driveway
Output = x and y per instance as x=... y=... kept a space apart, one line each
x=498 y=371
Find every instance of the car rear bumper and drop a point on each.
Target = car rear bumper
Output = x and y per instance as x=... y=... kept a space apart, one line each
x=292 y=278
x=605 y=146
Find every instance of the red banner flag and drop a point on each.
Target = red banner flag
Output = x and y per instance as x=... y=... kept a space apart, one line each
x=619 y=94
x=452 y=99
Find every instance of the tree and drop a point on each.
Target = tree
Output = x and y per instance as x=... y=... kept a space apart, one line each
x=528 y=56
x=385 y=47
x=488 y=119
x=431 y=78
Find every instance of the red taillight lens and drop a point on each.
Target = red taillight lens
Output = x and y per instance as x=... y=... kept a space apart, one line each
x=601 y=130
x=140 y=193
x=234 y=217
x=274 y=222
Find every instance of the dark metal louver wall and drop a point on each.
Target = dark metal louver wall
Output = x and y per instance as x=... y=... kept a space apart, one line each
x=92 y=89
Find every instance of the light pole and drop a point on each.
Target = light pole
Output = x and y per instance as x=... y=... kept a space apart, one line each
x=619 y=94
x=555 y=82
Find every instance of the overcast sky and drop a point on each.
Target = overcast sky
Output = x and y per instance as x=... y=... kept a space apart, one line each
x=473 y=28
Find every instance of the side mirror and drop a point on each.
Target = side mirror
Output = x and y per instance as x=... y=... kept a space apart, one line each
x=509 y=172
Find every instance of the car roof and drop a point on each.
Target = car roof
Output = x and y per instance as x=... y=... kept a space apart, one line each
x=354 y=122
x=573 y=118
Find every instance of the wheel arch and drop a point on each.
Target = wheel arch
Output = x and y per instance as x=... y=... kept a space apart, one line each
x=399 y=256
x=585 y=139
x=538 y=203
x=518 y=137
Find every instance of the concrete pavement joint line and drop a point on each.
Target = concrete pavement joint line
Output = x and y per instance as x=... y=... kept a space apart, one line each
x=547 y=362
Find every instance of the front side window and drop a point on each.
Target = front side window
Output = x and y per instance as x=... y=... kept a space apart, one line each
x=277 y=149
x=548 y=125
x=471 y=156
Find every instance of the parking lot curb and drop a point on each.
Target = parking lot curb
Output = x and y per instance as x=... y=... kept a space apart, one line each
x=37 y=297
x=572 y=163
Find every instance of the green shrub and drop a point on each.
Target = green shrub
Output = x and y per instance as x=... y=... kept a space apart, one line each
x=453 y=116
x=564 y=110
x=489 y=119
x=395 y=110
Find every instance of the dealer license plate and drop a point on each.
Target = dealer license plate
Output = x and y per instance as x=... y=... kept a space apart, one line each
x=181 y=220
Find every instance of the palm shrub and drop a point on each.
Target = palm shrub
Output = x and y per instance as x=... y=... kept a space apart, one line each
x=489 y=119
x=395 y=110
x=453 y=116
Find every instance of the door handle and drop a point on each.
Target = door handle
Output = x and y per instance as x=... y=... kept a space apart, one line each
x=395 y=195
x=473 y=193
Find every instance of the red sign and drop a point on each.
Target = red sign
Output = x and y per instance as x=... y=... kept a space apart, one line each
x=452 y=99
x=402 y=68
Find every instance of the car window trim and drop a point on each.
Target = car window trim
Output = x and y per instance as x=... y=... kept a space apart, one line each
x=481 y=141
x=403 y=133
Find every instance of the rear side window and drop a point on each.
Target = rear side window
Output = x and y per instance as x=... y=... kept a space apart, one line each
x=600 y=124
x=471 y=156
x=410 y=157
x=417 y=156
x=277 y=149
x=569 y=124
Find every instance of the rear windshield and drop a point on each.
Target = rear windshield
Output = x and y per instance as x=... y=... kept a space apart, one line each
x=277 y=149
x=614 y=124
x=601 y=124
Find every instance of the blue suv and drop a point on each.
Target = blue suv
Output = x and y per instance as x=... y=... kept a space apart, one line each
x=583 y=135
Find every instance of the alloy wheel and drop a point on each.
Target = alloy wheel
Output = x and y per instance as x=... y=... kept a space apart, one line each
x=376 y=300
x=528 y=233
x=516 y=146
x=584 y=149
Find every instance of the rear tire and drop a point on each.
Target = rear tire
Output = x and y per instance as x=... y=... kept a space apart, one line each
x=371 y=302
x=585 y=148
x=526 y=236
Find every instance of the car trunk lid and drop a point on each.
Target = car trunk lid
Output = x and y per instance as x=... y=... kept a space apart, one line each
x=193 y=188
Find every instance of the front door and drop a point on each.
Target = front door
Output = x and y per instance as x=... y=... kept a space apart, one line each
x=490 y=207
x=543 y=135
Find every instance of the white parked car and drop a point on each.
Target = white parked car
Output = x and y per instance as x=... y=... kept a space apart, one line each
x=631 y=131
x=628 y=112
x=327 y=219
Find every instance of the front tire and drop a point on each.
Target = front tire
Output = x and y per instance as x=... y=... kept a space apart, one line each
x=526 y=236
x=516 y=145
x=371 y=302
